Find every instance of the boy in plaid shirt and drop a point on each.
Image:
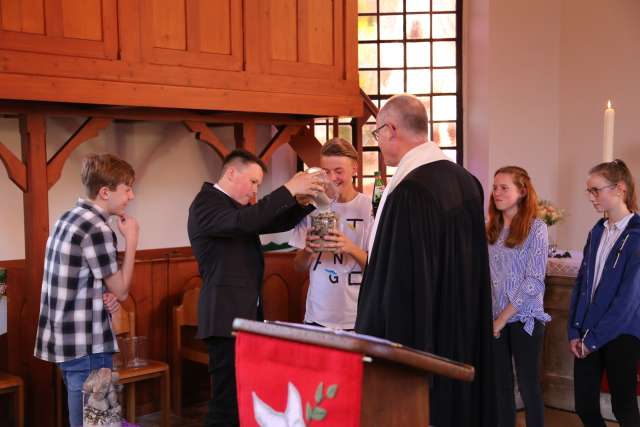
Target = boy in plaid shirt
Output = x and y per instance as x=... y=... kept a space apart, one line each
x=82 y=281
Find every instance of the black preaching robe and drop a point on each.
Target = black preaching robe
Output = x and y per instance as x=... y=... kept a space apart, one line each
x=427 y=285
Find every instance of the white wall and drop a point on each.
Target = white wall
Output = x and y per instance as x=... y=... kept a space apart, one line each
x=170 y=167
x=513 y=107
x=544 y=72
x=600 y=60
x=11 y=220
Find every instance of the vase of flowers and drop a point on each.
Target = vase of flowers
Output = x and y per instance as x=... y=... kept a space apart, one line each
x=551 y=215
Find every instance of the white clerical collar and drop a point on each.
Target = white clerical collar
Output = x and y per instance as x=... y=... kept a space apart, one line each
x=220 y=188
x=418 y=156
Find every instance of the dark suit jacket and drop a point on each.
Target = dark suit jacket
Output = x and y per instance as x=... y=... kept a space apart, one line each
x=224 y=236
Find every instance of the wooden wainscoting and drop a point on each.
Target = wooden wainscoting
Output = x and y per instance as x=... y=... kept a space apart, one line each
x=160 y=278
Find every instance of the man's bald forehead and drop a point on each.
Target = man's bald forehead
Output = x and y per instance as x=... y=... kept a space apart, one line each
x=404 y=104
x=409 y=111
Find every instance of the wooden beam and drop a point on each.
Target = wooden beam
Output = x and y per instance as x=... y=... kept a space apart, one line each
x=335 y=127
x=369 y=107
x=282 y=137
x=16 y=170
x=238 y=134
x=356 y=127
x=59 y=109
x=88 y=130
x=204 y=134
x=305 y=144
x=108 y=92
x=249 y=140
x=37 y=373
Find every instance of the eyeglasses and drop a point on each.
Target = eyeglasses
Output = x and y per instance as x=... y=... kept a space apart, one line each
x=595 y=191
x=376 y=132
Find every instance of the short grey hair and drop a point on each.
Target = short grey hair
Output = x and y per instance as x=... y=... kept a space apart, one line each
x=410 y=113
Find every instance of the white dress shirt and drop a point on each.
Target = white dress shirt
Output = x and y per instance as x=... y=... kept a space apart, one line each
x=610 y=235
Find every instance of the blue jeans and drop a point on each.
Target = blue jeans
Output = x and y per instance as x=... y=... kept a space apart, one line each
x=74 y=373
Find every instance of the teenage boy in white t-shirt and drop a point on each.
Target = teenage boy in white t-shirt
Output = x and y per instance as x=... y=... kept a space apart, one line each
x=334 y=277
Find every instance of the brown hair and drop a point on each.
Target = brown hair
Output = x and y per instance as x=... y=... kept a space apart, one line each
x=616 y=172
x=527 y=210
x=243 y=157
x=105 y=170
x=339 y=147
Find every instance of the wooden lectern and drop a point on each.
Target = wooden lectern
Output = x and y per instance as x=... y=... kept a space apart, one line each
x=395 y=388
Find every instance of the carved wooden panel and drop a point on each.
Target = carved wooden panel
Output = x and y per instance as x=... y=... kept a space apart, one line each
x=82 y=28
x=281 y=266
x=557 y=361
x=279 y=56
x=276 y=298
x=193 y=33
x=303 y=37
x=160 y=278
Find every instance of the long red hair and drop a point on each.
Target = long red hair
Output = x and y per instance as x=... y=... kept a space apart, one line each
x=527 y=209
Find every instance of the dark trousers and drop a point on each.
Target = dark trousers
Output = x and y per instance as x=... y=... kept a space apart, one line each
x=525 y=351
x=619 y=359
x=223 y=405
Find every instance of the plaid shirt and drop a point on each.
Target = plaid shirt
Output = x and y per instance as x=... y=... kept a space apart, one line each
x=80 y=253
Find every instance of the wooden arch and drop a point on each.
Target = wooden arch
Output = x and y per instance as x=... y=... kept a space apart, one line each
x=35 y=176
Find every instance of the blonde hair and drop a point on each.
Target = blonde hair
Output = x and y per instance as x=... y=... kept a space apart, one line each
x=339 y=147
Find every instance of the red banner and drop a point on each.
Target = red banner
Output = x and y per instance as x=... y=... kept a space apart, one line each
x=284 y=383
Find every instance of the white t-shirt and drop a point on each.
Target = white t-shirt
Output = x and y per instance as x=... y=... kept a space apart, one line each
x=334 y=280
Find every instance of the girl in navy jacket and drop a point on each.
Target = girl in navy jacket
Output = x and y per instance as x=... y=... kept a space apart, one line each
x=604 y=317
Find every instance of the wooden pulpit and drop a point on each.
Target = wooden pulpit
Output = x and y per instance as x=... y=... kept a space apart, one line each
x=393 y=381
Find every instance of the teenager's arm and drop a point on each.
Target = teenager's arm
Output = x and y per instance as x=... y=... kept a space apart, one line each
x=342 y=244
x=502 y=319
x=120 y=282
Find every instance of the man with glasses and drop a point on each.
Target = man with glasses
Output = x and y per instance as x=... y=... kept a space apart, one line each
x=427 y=282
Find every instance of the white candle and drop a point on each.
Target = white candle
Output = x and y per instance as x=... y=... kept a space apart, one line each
x=607 y=143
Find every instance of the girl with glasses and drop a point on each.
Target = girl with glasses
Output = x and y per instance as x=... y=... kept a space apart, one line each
x=604 y=317
x=518 y=243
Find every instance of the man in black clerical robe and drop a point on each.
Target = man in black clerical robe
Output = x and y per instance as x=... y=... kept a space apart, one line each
x=427 y=282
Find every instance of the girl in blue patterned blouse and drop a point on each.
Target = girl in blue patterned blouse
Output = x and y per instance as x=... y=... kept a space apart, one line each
x=518 y=260
x=604 y=316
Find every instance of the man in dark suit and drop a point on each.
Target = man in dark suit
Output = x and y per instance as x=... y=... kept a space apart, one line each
x=224 y=232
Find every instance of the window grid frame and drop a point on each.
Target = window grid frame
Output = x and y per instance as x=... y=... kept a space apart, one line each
x=377 y=98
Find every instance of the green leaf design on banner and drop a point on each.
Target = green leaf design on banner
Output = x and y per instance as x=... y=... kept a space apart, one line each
x=319 y=413
x=309 y=412
x=331 y=391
